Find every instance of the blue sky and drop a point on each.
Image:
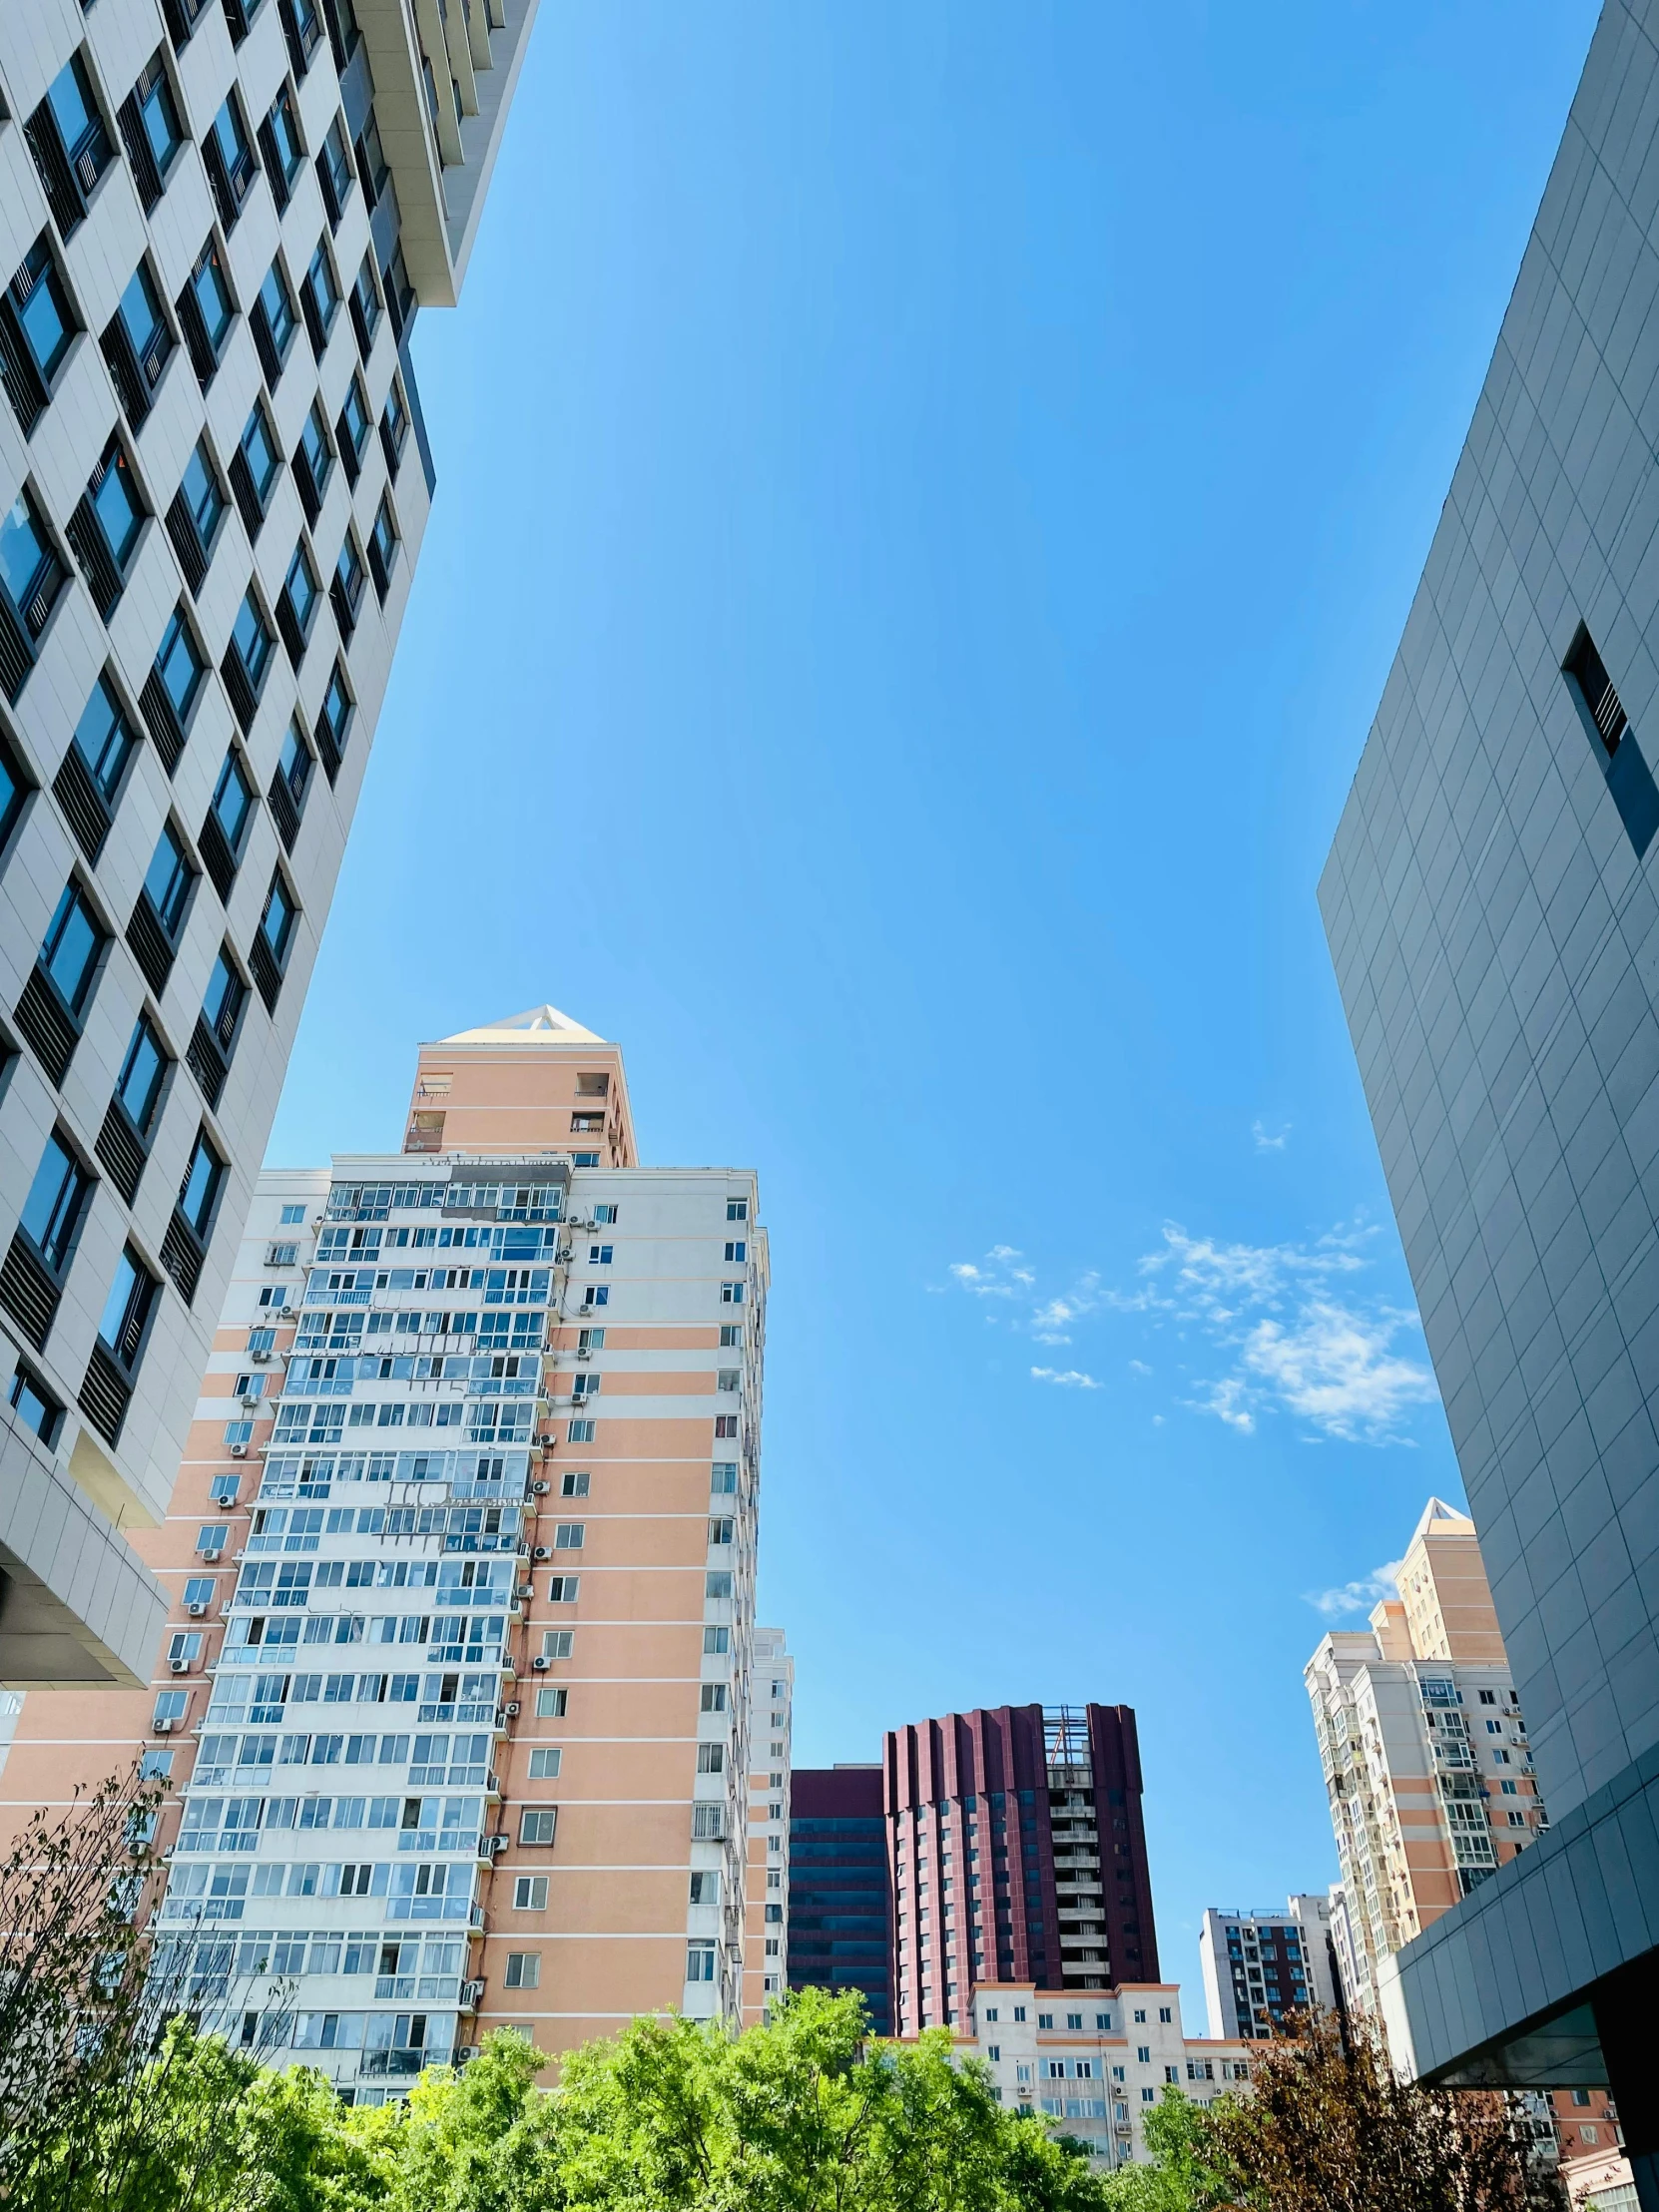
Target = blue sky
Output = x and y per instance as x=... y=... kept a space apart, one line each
x=928 y=498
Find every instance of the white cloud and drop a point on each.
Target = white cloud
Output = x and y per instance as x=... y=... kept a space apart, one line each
x=999 y=1279
x=1267 y=1143
x=1072 y=1379
x=1297 y=1342
x=1139 y=1366
x=1357 y=1597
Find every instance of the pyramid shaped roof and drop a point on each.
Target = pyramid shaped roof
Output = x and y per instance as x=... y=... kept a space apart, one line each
x=536 y=1026
x=1440 y=1518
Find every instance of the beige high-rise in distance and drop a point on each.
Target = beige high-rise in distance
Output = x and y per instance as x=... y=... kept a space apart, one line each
x=1425 y=1749
x=459 y=1718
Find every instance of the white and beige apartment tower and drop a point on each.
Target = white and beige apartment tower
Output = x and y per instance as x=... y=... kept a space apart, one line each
x=217 y=221
x=770 y=1703
x=1425 y=1751
x=460 y=1560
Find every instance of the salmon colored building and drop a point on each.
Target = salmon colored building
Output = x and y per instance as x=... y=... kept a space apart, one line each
x=456 y=1686
x=1425 y=1751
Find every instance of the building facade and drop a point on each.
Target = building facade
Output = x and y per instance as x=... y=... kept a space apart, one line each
x=458 y=1722
x=1260 y=1968
x=216 y=225
x=1018 y=1853
x=1098 y=2060
x=840 y=1887
x=1425 y=1749
x=1492 y=915
x=767 y=1944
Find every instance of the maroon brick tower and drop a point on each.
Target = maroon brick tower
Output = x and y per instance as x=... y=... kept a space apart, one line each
x=1018 y=1854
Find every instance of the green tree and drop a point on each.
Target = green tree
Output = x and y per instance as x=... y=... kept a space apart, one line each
x=1184 y=2169
x=804 y=2114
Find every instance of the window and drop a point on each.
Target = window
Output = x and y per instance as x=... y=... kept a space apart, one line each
x=574 y=1484
x=314 y=460
x=523 y=1970
x=353 y=427
x=224 y=1000
x=714 y=1697
x=179 y=665
x=207 y=311
x=372 y=161
x=167 y=882
x=400 y=299
x=70 y=950
x=730 y=1335
x=322 y=299
x=552 y=1705
x=143 y=1076
x=382 y=547
x=1628 y=777
x=726 y=1427
x=199 y=1192
x=203 y=502
x=348 y=587
x=333 y=722
x=106 y=740
x=579 y=1432
x=557 y=1643
x=1143 y=2053
x=232 y=810
x=530 y=1893
x=722 y=1530
x=298 y=605
x=333 y=171
x=1164 y=2014
x=56 y=1206
x=248 y=660
x=70 y=145
x=30 y=568
x=700 y=1961
x=288 y=785
x=366 y=320
x=569 y=1536
x=736 y=1209
x=737 y=1251
x=536 y=1824
x=126 y=1311
x=1019 y=2014
x=35 y=1406
x=114 y=493
x=41 y=322
x=564 y=1589
x=716 y=1641
x=229 y=160
x=137 y=345
x=163 y=133
x=273 y=320
x=731 y=1293
x=170 y=1706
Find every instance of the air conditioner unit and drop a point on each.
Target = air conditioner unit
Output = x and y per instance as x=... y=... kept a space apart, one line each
x=250 y=1398
x=259 y=1359
x=541 y=1663
x=162 y=1727
x=288 y=1313
x=239 y=1452
x=240 y=1552
x=180 y=1666
x=540 y=1489
x=196 y=1608
x=511 y=1708
x=498 y=1845
x=584 y=1354
x=543 y=1551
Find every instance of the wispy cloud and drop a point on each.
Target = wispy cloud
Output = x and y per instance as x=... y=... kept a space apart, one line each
x=1300 y=1334
x=1357 y=1597
x=1293 y=1324
x=1267 y=1141
x=1000 y=1279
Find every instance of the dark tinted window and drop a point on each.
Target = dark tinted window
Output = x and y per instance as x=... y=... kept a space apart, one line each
x=169 y=880
x=68 y=951
x=142 y=1073
x=107 y=740
x=199 y=1192
x=56 y=1201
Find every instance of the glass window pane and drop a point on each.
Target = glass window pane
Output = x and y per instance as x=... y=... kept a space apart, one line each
x=140 y=1087
x=168 y=882
x=70 y=953
x=43 y=315
x=52 y=1210
x=107 y=740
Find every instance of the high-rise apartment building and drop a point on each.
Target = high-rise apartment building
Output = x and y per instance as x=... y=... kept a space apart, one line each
x=1493 y=915
x=1098 y=2060
x=766 y=1942
x=456 y=1689
x=1018 y=1854
x=218 y=219
x=1261 y=1968
x=1423 y=1746
x=840 y=1887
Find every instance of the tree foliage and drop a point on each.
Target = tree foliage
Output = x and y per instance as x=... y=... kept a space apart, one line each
x=1332 y=2127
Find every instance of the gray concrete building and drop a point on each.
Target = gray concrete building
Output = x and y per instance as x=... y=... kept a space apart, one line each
x=217 y=221
x=1491 y=902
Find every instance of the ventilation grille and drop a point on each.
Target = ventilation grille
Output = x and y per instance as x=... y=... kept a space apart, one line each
x=120 y=1151
x=205 y=1062
x=46 y=1027
x=27 y=1292
x=148 y=941
x=82 y=802
x=161 y=719
x=104 y=1394
x=182 y=1255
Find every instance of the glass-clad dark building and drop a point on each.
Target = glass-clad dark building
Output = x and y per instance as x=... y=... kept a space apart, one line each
x=841 y=1891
